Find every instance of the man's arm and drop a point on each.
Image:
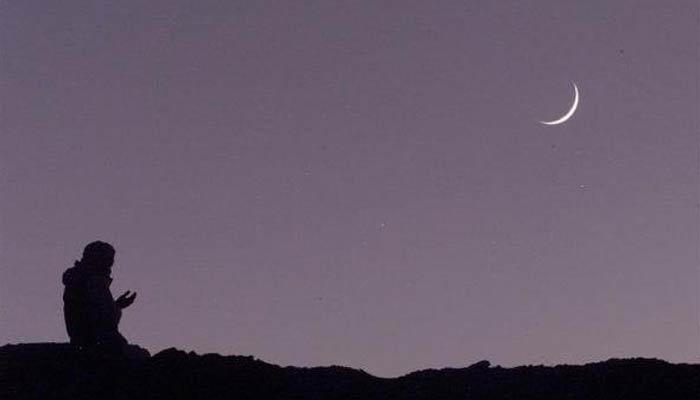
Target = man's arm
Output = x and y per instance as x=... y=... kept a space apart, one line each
x=106 y=313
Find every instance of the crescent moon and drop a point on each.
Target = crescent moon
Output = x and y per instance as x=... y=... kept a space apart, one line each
x=569 y=114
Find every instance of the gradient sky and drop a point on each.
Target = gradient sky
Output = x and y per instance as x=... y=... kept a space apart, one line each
x=362 y=183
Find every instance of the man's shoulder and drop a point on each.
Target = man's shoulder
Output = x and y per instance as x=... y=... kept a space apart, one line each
x=98 y=282
x=73 y=275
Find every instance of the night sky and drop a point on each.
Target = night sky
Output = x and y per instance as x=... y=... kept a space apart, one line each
x=361 y=183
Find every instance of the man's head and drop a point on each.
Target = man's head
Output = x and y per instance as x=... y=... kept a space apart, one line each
x=99 y=255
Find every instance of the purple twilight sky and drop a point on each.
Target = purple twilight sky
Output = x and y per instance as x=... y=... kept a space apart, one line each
x=363 y=183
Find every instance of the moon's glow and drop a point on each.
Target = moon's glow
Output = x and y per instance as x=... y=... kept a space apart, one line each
x=569 y=113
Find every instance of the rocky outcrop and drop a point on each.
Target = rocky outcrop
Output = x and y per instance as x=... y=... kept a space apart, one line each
x=57 y=371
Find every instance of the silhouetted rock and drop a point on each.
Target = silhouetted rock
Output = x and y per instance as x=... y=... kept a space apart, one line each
x=57 y=371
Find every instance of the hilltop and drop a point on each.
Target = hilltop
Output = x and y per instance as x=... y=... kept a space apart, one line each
x=56 y=371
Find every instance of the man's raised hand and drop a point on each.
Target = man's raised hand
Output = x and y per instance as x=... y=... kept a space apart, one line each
x=125 y=299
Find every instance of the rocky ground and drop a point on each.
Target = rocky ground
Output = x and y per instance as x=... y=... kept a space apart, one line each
x=56 y=371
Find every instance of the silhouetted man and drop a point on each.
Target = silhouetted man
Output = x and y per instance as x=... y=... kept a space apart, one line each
x=92 y=315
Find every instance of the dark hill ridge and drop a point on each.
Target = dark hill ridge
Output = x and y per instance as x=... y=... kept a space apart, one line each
x=55 y=371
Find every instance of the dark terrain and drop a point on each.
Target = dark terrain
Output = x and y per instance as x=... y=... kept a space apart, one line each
x=56 y=371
